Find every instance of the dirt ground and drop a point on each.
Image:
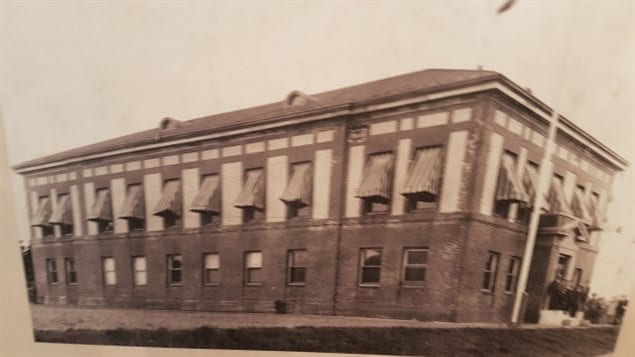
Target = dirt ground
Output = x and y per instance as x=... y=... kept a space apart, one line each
x=47 y=317
x=312 y=333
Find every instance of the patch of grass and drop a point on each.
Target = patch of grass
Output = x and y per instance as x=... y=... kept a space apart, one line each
x=376 y=340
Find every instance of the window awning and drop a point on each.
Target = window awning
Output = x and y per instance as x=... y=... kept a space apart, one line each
x=597 y=221
x=530 y=182
x=578 y=207
x=170 y=202
x=299 y=186
x=252 y=194
x=376 y=177
x=62 y=213
x=425 y=172
x=509 y=186
x=207 y=199
x=43 y=211
x=132 y=207
x=557 y=201
x=102 y=208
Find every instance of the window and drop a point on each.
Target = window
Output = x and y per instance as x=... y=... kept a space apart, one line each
x=51 y=271
x=579 y=207
x=139 y=271
x=511 y=279
x=296 y=267
x=297 y=194
x=41 y=217
x=253 y=268
x=530 y=181
x=557 y=201
x=108 y=267
x=376 y=186
x=370 y=266
x=562 y=267
x=133 y=208
x=169 y=206
x=421 y=187
x=596 y=213
x=576 y=279
x=252 y=196
x=101 y=211
x=211 y=267
x=491 y=271
x=207 y=200
x=175 y=269
x=509 y=187
x=71 y=275
x=415 y=263
x=62 y=215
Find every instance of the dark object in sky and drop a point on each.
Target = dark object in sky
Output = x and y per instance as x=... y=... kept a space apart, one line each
x=506 y=6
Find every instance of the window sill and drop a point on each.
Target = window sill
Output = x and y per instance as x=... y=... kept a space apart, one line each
x=211 y=285
x=365 y=285
x=487 y=292
x=413 y=285
x=301 y=285
x=175 y=285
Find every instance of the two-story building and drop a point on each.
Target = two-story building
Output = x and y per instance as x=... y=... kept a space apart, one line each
x=406 y=197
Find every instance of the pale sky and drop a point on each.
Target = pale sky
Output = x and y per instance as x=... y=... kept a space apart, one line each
x=74 y=73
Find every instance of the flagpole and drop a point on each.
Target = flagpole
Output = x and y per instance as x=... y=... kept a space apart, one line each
x=543 y=180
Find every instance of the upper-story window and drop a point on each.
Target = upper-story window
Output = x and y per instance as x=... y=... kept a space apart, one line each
x=579 y=205
x=595 y=211
x=207 y=200
x=169 y=205
x=62 y=215
x=509 y=187
x=41 y=216
x=530 y=183
x=370 y=266
x=252 y=196
x=375 y=188
x=297 y=194
x=133 y=208
x=421 y=187
x=101 y=210
x=557 y=200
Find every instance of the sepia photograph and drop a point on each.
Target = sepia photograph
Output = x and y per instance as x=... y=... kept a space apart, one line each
x=428 y=178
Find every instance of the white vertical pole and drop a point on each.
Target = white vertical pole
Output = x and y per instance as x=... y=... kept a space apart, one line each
x=543 y=181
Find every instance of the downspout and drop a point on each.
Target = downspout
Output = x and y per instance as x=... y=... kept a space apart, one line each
x=342 y=201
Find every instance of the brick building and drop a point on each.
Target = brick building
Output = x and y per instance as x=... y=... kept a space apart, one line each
x=404 y=197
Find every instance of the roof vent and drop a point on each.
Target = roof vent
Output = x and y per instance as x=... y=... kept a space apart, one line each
x=167 y=124
x=297 y=98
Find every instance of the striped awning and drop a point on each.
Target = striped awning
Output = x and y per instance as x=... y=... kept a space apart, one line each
x=557 y=200
x=102 y=208
x=579 y=208
x=530 y=182
x=252 y=194
x=170 y=202
x=597 y=221
x=299 y=186
x=132 y=207
x=376 y=177
x=41 y=214
x=425 y=172
x=510 y=186
x=62 y=213
x=207 y=199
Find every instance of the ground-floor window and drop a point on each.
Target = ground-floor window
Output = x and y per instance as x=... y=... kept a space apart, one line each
x=491 y=271
x=511 y=279
x=253 y=268
x=211 y=267
x=139 y=271
x=415 y=263
x=108 y=267
x=370 y=266
x=175 y=269
x=563 y=266
x=296 y=265
x=51 y=271
x=71 y=274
